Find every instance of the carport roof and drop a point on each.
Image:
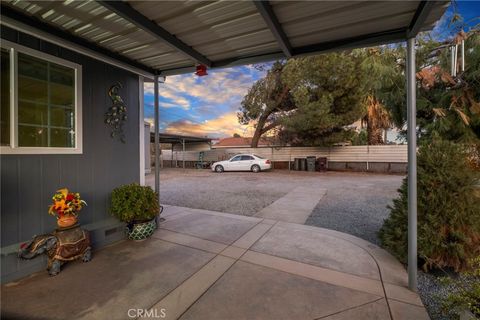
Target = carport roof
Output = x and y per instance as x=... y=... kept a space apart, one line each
x=176 y=138
x=171 y=37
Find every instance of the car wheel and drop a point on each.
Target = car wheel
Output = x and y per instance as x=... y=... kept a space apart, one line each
x=219 y=169
x=255 y=168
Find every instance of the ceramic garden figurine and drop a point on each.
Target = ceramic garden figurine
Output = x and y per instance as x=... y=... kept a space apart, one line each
x=68 y=242
x=60 y=246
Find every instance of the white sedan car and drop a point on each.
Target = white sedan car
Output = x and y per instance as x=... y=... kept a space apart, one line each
x=243 y=162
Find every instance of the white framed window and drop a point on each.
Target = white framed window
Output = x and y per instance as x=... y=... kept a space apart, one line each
x=41 y=102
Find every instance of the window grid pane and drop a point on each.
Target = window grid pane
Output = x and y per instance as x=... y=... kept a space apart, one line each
x=45 y=103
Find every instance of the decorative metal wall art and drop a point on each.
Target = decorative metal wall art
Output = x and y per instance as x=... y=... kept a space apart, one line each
x=116 y=116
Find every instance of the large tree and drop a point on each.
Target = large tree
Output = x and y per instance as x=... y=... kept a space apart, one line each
x=267 y=102
x=448 y=122
x=329 y=91
x=450 y=104
x=308 y=100
x=446 y=105
x=383 y=76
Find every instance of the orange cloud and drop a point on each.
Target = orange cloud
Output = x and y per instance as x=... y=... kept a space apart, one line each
x=223 y=126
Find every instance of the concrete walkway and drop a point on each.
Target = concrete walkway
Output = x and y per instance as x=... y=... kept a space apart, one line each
x=295 y=206
x=212 y=265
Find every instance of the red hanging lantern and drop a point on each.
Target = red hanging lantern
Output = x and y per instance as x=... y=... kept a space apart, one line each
x=201 y=70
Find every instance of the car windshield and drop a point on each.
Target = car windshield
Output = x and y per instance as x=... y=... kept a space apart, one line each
x=258 y=156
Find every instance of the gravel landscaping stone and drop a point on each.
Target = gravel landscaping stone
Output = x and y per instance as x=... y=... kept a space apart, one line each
x=431 y=291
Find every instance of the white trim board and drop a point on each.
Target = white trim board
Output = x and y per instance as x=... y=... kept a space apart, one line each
x=141 y=131
x=14 y=49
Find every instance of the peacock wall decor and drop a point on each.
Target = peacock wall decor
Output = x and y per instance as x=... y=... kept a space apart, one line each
x=116 y=116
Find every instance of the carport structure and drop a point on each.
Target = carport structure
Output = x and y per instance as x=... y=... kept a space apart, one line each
x=175 y=139
x=157 y=39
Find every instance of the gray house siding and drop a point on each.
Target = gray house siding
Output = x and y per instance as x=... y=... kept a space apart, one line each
x=29 y=181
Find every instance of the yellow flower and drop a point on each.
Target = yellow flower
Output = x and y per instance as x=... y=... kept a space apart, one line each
x=61 y=205
x=63 y=191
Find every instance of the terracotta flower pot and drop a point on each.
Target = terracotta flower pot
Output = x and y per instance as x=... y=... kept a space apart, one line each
x=66 y=221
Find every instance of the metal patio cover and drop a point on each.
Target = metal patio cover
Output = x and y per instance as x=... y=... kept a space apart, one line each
x=171 y=37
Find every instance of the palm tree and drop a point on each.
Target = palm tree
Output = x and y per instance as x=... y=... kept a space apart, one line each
x=377 y=120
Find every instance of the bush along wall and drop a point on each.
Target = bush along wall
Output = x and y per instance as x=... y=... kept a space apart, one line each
x=448 y=210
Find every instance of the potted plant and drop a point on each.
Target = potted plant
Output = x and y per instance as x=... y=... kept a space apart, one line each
x=138 y=207
x=65 y=207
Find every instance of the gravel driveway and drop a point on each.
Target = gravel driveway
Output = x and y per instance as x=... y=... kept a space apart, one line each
x=355 y=203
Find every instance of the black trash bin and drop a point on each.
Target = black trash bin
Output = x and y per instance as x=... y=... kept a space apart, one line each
x=311 y=163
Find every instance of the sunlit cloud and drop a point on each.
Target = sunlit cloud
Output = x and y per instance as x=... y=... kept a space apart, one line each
x=223 y=126
x=219 y=87
x=203 y=105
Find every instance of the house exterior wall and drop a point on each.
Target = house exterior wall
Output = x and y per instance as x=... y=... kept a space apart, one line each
x=29 y=181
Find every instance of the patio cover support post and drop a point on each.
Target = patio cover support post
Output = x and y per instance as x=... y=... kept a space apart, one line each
x=412 y=165
x=157 y=138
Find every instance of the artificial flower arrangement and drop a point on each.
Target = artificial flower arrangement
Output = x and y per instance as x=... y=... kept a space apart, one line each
x=66 y=206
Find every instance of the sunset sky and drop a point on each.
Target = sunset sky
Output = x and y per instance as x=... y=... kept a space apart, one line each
x=207 y=106
x=203 y=106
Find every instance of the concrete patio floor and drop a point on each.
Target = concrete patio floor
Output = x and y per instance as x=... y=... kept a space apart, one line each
x=211 y=265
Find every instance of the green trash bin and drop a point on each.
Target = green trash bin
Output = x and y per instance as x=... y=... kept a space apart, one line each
x=296 y=164
x=311 y=163
x=303 y=164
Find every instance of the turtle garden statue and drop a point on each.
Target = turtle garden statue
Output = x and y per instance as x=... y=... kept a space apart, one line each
x=63 y=245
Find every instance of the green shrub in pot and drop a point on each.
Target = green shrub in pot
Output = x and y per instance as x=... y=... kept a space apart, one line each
x=137 y=206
